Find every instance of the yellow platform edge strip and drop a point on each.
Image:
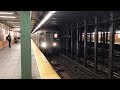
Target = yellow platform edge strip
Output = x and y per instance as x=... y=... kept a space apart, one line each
x=46 y=71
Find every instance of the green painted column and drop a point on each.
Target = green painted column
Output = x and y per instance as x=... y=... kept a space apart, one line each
x=25 y=45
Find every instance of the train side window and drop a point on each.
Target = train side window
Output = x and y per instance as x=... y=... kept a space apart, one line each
x=48 y=36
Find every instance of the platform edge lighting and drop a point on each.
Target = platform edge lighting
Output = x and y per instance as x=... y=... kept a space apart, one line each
x=44 y=20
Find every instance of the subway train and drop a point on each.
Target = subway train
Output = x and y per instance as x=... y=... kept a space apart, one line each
x=47 y=40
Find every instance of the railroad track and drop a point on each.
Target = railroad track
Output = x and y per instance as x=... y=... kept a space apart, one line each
x=69 y=69
x=104 y=59
x=63 y=71
x=103 y=68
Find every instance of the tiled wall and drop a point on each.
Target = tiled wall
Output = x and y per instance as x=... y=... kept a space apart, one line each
x=4 y=31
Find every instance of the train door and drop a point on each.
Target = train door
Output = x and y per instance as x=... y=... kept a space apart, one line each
x=49 y=38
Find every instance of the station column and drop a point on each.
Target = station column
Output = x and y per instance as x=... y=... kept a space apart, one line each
x=25 y=45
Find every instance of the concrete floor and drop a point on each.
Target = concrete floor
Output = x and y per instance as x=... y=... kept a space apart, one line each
x=10 y=64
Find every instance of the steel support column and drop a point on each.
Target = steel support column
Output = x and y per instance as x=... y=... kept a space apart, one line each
x=90 y=36
x=63 y=42
x=80 y=42
x=96 y=44
x=80 y=36
x=77 y=39
x=106 y=37
x=71 y=41
x=25 y=45
x=85 y=41
x=111 y=46
x=101 y=37
x=67 y=38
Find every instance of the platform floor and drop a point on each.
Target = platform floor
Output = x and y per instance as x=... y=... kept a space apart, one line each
x=10 y=64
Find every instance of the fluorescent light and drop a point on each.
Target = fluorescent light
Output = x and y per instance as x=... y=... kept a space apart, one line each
x=30 y=15
x=44 y=20
x=53 y=11
x=117 y=31
x=12 y=22
x=16 y=29
x=99 y=32
x=118 y=35
x=7 y=17
x=6 y=13
x=16 y=26
x=93 y=33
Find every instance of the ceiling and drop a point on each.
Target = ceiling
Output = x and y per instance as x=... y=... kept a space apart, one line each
x=63 y=19
x=58 y=19
x=13 y=18
x=36 y=17
x=10 y=18
x=69 y=17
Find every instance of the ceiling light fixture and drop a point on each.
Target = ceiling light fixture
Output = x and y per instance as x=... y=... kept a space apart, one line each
x=16 y=26
x=6 y=13
x=7 y=17
x=12 y=22
x=44 y=20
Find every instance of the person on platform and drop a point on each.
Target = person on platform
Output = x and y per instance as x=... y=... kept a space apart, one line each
x=9 y=40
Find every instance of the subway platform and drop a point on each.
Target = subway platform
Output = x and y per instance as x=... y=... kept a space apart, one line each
x=10 y=63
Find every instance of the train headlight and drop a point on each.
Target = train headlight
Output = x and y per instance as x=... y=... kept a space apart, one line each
x=54 y=44
x=44 y=44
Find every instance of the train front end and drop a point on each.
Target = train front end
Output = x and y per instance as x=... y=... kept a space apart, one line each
x=51 y=44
